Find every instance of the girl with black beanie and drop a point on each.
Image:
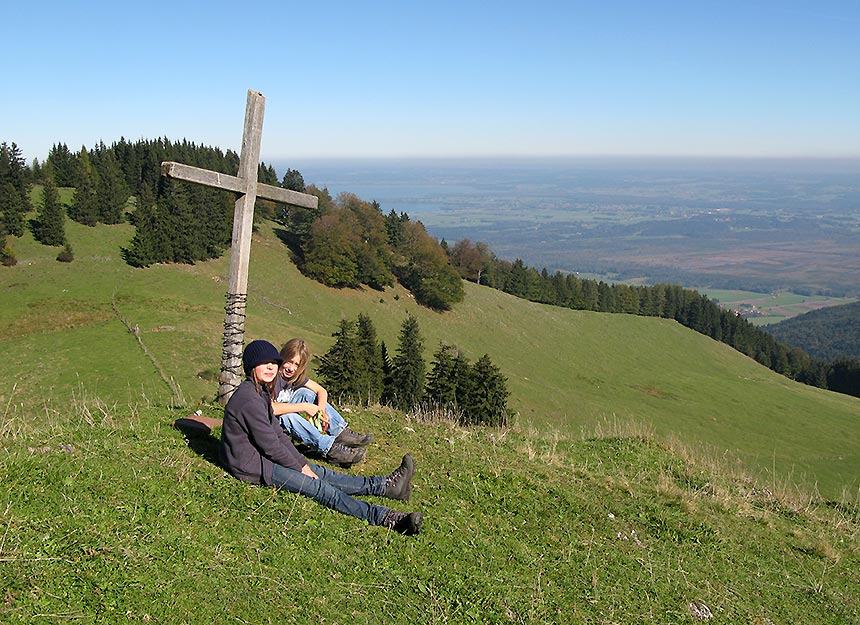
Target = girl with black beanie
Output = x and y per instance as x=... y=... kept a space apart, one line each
x=254 y=448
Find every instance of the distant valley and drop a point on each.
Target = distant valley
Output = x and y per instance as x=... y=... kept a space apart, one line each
x=756 y=225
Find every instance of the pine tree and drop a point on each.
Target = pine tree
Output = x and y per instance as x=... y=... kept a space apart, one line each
x=487 y=400
x=338 y=366
x=151 y=242
x=174 y=202
x=369 y=370
x=408 y=367
x=388 y=390
x=442 y=384
x=84 y=207
x=111 y=192
x=11 y=211
x=36 y=170
x=49 y=226
x=14 y=189
x=62 y=165
x=449 y=382
x=293 y=180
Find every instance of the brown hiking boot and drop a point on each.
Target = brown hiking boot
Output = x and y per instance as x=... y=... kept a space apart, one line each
x=345 y=456
x=398 y=483
x=408 y=523
x=353 y=439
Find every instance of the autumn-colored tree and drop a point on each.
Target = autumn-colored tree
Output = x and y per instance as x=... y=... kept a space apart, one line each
x=329 y=253
x=423 y=268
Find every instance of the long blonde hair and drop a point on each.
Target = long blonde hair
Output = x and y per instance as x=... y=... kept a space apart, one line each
x=291 y=349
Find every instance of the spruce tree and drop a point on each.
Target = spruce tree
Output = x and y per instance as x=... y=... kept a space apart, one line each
x=388 y=390
x=11 y=210
x=294 y=181
x=84 y=207
x=441 y=388
x=369 y=370
x=151 y=242
x=49 y=226
x=62 y=165
x=487 y=400
x=338 y=366
x=14 y=189
x=111 y=192
x=408 y=367
x=175 y=204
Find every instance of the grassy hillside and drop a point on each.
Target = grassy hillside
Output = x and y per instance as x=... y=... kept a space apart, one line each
x=109 y=516
x=618 y=496
x=567 y=370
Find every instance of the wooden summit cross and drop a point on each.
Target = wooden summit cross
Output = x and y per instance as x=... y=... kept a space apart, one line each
x=246 y=185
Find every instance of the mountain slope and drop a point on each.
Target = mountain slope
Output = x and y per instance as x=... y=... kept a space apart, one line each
x=567 y=370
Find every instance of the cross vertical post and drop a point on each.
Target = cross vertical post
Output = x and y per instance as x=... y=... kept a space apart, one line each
x=240 y=255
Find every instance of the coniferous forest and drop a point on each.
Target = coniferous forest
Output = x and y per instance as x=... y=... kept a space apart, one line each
x=346 y=243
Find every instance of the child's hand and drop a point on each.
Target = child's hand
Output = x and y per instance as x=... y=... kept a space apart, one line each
x=324 y=418
x=311 y=409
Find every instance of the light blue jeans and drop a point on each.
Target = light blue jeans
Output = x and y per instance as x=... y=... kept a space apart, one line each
x=300 y=428
x=334 y=490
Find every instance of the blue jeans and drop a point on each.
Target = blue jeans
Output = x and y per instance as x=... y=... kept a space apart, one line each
x=334 y=490
x=300 y=428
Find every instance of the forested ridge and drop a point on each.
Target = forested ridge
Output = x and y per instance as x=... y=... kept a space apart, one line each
x=830 y=334
x=345 y=242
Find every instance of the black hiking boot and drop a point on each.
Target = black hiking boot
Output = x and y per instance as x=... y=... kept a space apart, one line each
x=345 y=456
x=353 y=439
x=408 y=523
x=398 y=483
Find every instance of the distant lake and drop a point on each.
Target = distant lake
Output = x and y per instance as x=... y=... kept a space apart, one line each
x=541 y=209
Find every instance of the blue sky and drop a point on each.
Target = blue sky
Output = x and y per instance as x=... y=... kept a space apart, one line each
x=354 y=79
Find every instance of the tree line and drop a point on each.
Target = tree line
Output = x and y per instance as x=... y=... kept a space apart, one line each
x=477 y=262
x=358 y=368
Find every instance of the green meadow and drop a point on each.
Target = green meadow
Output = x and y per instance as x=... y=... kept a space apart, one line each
x=775 y=307
x=650 y=474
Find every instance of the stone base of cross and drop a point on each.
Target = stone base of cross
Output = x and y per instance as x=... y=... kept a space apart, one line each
x=246 y=185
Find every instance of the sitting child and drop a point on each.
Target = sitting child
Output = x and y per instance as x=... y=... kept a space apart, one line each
x=255 y=449
x=302 y=407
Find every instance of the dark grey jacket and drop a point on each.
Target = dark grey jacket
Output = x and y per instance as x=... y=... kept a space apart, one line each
x=252 y=438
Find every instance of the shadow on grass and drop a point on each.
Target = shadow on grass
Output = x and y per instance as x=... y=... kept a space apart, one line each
x=293 y=243
x=198 y=435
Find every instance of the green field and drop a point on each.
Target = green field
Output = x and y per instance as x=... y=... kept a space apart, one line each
x=774 y=307
x=650 y=473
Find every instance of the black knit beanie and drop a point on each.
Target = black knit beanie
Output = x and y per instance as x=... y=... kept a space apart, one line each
x=257 y=352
